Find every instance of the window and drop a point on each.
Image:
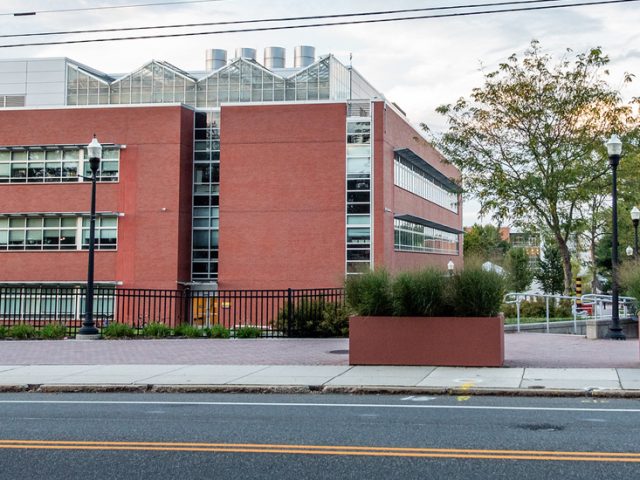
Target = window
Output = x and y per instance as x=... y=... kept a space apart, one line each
x=424 y=185
x=55 y=164
x=56 y=233
x=413 y=237
x=358 y=196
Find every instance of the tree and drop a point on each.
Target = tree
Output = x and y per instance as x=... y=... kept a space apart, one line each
x=485 y=243
x=530 y=141
x=519 y=275
x=549 y=272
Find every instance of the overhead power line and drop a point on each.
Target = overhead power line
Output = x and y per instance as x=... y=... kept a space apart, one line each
x=284 y=19
x=316 y=25
x=106 y=7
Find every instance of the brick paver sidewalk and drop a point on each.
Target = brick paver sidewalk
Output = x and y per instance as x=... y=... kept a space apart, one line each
x=521 y=350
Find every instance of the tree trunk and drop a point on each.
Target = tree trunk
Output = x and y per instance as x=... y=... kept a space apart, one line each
x=566 y=265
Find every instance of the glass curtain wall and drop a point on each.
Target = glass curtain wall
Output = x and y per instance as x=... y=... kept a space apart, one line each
x=206 y=199
x=241 y=81
x=413 y=237
x=85 y=89
x=156 y=82
x=359 y=188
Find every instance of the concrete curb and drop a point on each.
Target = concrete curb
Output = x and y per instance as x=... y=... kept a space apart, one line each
x=317 y=389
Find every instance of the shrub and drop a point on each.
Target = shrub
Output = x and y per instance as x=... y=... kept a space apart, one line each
x=370 y=294
x=117 y=330
x=4 y=331
x=53 y=331
x=190 y=331
x=563 y=309
x=315 y=318
x=419 y=293
x=217 y=331
x=630 y=278
x=248 y=332
x=535 y=309
x=475 y=292
x=509 y=310
x=156 y=329
x=22 y=331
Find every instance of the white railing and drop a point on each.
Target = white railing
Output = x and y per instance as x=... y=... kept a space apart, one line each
x=596 y=302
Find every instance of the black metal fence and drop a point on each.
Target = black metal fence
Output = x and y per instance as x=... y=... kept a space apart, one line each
x=276 y=313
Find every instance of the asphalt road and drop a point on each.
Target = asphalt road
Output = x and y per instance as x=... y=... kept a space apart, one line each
x=206 y=436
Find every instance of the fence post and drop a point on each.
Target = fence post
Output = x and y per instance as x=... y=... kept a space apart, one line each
x=186 y=307
x=289 y=311
x=518 y=312
x=547 y=311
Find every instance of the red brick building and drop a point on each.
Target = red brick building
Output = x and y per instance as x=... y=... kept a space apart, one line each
x=242 y=177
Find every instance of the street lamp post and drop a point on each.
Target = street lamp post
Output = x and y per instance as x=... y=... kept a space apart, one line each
x=88 y=331
x=614 y=150
x=635 y=218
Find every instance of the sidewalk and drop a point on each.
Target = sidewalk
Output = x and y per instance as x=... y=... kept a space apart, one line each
x=537 y=364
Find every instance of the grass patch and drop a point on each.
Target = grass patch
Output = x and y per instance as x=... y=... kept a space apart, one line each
x=217 y=331
x=4 y=331
x=248 y=332
x=514 y=321
x=157 y=330
x=53 y=331
x=117 y=330
x=22 y=331
x=189 y=331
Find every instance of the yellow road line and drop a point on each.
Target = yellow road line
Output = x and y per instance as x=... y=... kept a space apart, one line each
x=544 y=455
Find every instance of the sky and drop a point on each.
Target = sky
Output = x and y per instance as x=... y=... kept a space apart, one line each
x=418 y=64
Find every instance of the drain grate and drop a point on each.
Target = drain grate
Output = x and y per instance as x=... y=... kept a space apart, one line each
x=340 y=352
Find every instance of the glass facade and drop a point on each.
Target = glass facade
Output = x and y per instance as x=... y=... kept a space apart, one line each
x=243 y=80
x=206 y=196
x=55 y=165
x=38 y=232
x=359 y=189
x=419 y=182
x=85 y=89
x=413 y=237
x=156 y=82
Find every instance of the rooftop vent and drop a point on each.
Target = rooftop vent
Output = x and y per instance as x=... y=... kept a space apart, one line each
x=249 y=53
x=215 y=59
x=274 y=57
x=304 y=56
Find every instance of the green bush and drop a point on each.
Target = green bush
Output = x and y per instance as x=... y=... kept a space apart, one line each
x=535 y=309
x=217 y=331
x=156 y=329
x=563 y=309
x=117 y=330
x=315 y=318
x=475 y=292
x=370 y=294
x=419 y=293
x=630 y=278
x=22 y=331
x=53 y=331
x=4 y=331
x=248 y=332
x=509 y=310
x=190 y=331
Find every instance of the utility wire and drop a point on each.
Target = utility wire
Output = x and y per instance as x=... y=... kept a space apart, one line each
x=110 y=7
x=285 y=19
x=315 y=25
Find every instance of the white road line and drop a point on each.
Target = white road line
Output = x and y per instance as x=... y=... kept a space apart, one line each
x=321 y=405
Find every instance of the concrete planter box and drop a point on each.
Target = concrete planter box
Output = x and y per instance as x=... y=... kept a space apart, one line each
x=438 y=341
